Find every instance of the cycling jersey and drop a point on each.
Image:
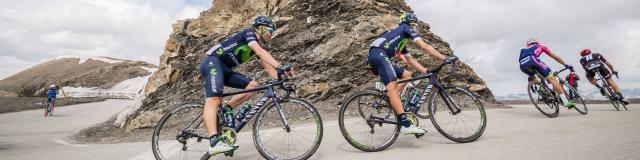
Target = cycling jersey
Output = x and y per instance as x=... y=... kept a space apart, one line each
x=594 y=62
x=534 y=50
x=235 y=50
x=529 y=61
x=395 y=41
x=52 y=93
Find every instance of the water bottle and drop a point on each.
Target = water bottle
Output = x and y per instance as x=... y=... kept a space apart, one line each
x=228 y=116
x=243 y=111
x=415 y=97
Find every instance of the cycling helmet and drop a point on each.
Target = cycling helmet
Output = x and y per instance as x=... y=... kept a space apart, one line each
x=264 y=21
x=532 y=41
x=52 y=86
x=407 y=18
x=585 y=52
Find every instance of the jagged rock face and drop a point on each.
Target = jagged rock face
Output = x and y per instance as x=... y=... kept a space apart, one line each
x=325 y=40
x=71 y=72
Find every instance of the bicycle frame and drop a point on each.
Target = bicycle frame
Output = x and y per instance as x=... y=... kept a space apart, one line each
x=257 y=107
x=433 y=81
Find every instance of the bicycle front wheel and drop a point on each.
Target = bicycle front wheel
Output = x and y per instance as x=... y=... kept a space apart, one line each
x=463 y=127
x=169 y=140
x=274 y=141
x=614 y=101
x=367 y=121
x=544 y=103
x=573 y=95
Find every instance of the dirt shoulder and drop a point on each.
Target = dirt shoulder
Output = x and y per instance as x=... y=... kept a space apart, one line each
x=15 y=104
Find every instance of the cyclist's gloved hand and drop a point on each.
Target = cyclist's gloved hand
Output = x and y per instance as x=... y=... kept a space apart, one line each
x=568 y=66
x=285 y=70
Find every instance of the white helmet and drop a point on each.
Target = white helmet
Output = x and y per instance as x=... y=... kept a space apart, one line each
x=52 y=86
x=532 y=41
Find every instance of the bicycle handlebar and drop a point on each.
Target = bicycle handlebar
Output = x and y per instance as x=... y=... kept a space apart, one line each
x=435 y=71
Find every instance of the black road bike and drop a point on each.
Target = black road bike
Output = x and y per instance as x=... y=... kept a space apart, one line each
x=368 y=122
x=546 y=99
x=609 y=92
x=286 y=127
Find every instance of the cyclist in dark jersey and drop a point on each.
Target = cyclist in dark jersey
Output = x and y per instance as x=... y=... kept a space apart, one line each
x=52 y=94
x=530 y=63
x=595 y=61
x=217 y=72
x=378 y=59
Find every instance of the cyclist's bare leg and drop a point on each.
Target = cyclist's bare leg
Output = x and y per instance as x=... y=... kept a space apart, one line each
x=241 y=98
x=210 y=114
x=614 y=85
x=593 y=81
x=394 y=97
x=405 y=75
x=556 y=84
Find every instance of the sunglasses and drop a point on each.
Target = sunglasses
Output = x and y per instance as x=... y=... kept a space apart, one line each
x=270 y=30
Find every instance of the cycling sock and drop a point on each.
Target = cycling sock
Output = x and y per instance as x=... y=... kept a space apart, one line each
x=214 y=140
x=563 y=98
x=404 y=120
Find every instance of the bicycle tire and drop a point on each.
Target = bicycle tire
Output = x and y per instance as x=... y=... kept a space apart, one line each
x=314 y=117
x=611 y=97
x=386 y=141
x=474 y=104
x=582 y=109
x=554 y=107
x=193 y=110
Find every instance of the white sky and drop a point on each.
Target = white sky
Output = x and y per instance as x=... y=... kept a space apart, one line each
x=487 y=34
x=34 y=31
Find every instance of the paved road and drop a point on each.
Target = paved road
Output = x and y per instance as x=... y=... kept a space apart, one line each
x=519 y=133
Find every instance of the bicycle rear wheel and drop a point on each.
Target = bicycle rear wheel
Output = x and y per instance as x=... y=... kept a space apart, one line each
x=301 y=141
x=169 y=141
x=573 y=95
x=463 y=127
x=544 y=103
x=367 y=121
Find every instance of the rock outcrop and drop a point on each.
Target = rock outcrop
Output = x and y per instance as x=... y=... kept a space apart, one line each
x=325 y=40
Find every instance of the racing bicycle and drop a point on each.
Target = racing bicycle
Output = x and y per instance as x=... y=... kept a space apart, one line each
x=609 y=92
x=368 y=122
x=285 y=128
x=546 y=99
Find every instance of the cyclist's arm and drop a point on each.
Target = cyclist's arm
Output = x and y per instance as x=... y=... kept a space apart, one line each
x=552 y=55
x=605 y=61
x=609 y=65
x=271 y=71
x=414 y=63
x=430 y=50
x=263 y=54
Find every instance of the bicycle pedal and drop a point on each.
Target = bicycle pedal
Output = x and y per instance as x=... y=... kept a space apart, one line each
x=418 y=135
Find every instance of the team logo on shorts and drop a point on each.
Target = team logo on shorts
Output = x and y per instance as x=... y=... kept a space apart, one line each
x=213 y=72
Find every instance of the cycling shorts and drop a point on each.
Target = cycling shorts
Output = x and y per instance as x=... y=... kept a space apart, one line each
x=530 y=65
x=381 y=65
x=216 y=75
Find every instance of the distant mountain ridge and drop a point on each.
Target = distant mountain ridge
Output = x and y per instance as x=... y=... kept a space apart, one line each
x=97 y=73
x=588 y=94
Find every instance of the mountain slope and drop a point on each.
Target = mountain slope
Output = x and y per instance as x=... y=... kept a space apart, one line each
x=73 y=72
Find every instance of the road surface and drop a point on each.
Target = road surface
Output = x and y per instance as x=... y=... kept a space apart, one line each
x=518 y=133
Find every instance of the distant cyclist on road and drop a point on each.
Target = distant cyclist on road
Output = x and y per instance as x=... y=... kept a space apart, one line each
x=378 y=60
x=529 y=62
x=596 y=59
x=572 y=79
x=217 y=72
x=52 y=94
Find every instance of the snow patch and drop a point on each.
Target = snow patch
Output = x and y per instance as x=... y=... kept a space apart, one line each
x=127 y=89
x=84 y=59
x=152 y=70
